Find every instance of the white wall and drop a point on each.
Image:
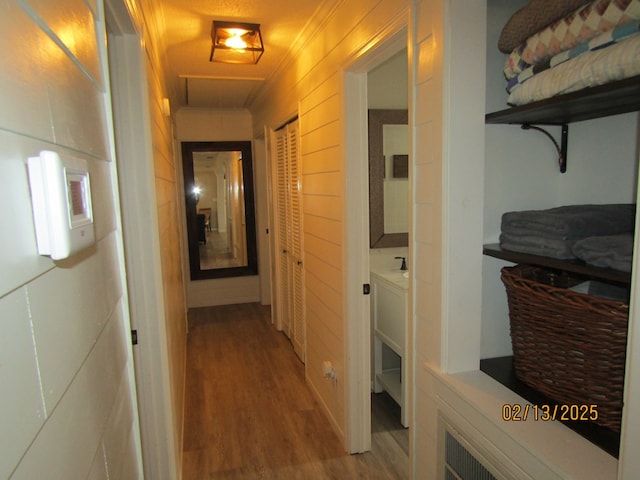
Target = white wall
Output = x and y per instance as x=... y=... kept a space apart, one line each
x=447 y=127
x=208 y=125
x=387 y=84
x=68 y=408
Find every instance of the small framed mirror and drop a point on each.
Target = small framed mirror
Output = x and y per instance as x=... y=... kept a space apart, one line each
x=221 y=227
x=388 y=179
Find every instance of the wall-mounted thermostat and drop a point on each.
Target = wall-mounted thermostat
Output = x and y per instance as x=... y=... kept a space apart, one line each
x=61 y=201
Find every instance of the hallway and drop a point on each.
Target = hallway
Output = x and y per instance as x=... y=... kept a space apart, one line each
x=249 y=413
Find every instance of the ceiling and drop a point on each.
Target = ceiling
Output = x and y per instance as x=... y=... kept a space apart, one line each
x=201 y=83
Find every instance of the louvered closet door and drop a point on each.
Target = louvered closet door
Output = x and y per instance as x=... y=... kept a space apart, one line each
x=289 y=284
x=281 y=190
x=297 y=291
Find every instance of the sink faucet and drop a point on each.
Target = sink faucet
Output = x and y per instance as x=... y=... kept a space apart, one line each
x=404 y=263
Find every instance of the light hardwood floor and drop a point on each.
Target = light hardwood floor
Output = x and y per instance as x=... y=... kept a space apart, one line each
x=250 y=415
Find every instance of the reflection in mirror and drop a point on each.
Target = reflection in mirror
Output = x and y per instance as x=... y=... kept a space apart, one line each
x=395 y=143
x=218 y=185
x=388 y=179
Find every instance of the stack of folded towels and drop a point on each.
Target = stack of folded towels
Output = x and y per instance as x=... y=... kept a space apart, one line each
x=601 y=235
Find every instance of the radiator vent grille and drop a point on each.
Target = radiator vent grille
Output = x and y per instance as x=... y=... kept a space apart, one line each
x=460 y=464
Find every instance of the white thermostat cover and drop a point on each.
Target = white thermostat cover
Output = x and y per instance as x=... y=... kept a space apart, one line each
x=61 y=202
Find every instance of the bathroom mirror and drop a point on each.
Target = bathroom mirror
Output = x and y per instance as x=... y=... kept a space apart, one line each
x=218 y=187
x=388 y=178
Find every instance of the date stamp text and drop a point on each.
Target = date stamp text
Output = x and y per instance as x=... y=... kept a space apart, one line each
x=516 y=412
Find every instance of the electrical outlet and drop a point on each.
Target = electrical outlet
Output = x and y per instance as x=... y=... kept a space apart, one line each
x=327 y=369
x=329 y=372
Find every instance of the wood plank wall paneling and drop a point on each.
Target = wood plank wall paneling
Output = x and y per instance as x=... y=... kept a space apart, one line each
x=327 y=183
x=168 y=202
x=330 y=297
x=326 y=228
x=427 y=248
x=325 y=206
x=327 y=338
x=325 y=111
x=170 y=252
x=321 y=261
x=326 y=160
x=320 y=96
x=341 y=32
x=429 y=170
x=327 y=136
x=320 y=310
x=101 y=185
x=64 y=353
x=312 y=84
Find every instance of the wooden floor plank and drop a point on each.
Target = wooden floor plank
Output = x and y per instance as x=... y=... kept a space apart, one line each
x=250 y=415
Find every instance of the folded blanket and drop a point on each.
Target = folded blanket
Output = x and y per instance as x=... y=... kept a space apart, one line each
x=578 y=27
x=601 y=41
x=532 y=18
x=609 y=251
x=570 y=222
x=597 y=67
x=538 y=245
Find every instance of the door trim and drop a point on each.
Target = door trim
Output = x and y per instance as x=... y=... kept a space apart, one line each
x=137 y=196
x=388 y=42
x=358 y=324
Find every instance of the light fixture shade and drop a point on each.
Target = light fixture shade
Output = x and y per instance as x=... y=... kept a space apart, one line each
x=234 y=42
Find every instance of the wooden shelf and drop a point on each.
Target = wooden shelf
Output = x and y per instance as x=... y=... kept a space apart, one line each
x=613 y=98
x=573 y=266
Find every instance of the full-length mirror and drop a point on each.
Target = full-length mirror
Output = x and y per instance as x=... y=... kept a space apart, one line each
x=388 y=179
x=218 y=185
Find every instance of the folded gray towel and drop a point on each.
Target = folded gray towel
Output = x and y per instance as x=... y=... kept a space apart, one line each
x=571 y=222
x=609 y=251
x=537 y=245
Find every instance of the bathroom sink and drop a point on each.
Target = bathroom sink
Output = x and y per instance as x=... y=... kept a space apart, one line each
x=397 y=277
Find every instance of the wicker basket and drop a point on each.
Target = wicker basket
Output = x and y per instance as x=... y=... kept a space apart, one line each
x=568 y=346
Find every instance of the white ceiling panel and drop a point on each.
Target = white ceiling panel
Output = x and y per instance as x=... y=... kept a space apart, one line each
x=220 y=93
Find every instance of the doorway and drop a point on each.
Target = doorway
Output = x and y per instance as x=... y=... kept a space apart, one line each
x=359 y=337
x=135 y=170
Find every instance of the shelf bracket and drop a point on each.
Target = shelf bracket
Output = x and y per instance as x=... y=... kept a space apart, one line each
x=562 y=148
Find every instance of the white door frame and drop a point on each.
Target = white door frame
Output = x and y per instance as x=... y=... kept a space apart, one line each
x=270 y=224
x=261 y=182
x=136 y=181
x=389 y=41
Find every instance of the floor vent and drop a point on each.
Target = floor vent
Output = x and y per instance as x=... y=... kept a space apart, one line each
x=460 y=464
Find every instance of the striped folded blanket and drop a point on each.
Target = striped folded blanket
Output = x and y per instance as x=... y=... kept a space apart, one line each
x=597 y=67
x=578 y=27
x=601 y=41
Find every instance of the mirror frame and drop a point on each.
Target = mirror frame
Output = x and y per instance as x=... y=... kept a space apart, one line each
x=377 y=237
x=188 y=149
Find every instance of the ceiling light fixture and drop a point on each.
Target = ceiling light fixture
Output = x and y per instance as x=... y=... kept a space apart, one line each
x=234 y=42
